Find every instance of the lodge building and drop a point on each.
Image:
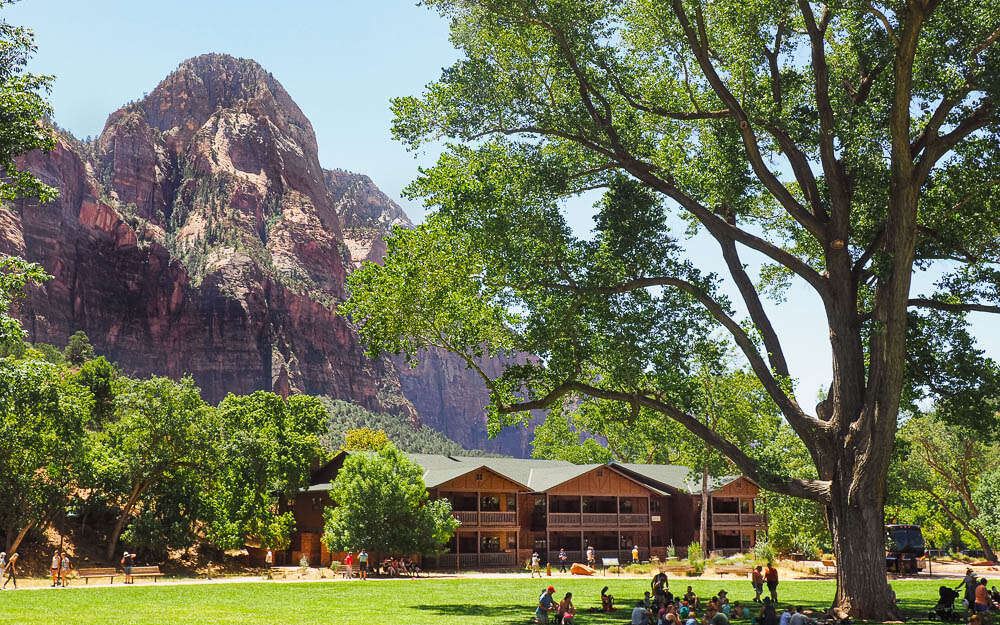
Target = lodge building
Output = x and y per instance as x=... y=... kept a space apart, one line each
x=510 y=507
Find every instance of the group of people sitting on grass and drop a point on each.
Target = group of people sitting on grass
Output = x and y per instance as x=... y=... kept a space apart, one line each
x=661 y=607
x=400 y=567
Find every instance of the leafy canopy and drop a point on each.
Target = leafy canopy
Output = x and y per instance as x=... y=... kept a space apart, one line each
x=381 y=504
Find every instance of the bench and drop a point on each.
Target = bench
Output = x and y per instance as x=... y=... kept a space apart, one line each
x=146 y=571
x=678 y=568
x=733 y=570
x=342 y=571
x=86 y=574
x=830 y=564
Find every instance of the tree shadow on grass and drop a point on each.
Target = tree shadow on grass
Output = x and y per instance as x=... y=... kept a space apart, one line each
x=513 y=614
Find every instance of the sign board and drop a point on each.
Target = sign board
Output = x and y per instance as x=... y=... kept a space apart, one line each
x=655 y=518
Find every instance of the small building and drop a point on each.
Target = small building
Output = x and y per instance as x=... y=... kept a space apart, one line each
x=511 y=507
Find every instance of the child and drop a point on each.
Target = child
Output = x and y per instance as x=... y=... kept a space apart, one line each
x=64 y=568
x=566 y=609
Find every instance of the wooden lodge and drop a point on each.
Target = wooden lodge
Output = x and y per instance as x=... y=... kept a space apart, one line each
x=509 y=508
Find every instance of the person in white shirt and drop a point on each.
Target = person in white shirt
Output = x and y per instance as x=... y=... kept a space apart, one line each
x=640 y=614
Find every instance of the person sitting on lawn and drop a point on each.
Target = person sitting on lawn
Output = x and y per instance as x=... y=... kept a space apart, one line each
x=798 y=617
x=546 y=604
x=691 y=598
x=692 y=618
x=566 y=610
x=723 y=599
x=768 y=615
x=607 y=601
x=640 y=614
x=685 y=610
x=786 y=616
x=714 y=617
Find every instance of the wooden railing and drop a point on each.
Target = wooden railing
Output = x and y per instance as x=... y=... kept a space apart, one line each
x=498 y=518
x=447 y=561
x=739 y=519
x=597 y=519
x=466 y=518
x=600 y=519
x=633 y=519
x=496 y=559
x=571 y=557
x=564 y=518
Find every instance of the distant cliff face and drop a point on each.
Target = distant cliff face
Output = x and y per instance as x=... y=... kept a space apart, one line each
x=199 y=235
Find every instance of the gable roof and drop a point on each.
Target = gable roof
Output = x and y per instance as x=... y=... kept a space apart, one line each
x=532 y=474
x=674 y=477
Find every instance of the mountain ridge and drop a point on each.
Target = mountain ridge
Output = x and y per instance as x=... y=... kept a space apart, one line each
x=199 y=234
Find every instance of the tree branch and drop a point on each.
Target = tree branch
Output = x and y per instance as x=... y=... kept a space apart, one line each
x=923 y=302
x=815 y=490
x=699 y=45
x=938 y=146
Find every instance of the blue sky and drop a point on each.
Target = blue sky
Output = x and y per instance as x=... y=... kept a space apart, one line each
x=341 y=61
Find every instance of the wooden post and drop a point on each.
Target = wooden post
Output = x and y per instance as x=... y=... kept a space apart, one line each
x=458 y=551
x=618 y=508
x=479 y=544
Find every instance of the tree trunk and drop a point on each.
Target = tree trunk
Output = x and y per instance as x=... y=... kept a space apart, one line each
x=703 y=535
x=988 y=553
x=858 y=532
x=120 y=523
x=11 y=548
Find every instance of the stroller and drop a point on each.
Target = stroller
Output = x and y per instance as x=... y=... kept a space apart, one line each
x=945 y=608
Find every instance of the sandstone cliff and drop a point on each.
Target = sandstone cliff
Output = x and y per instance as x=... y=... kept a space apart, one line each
x=199 y=235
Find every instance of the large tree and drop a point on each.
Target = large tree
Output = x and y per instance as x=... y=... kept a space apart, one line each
x=381 y=505
x=845 y=145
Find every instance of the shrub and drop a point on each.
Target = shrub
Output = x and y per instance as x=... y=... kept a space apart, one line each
x=671 y=550
x=763 y=552
x=694 y=552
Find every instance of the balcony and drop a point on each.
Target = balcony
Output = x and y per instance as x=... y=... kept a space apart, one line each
x=485 y=519
x=739 y=520
x=575 y=519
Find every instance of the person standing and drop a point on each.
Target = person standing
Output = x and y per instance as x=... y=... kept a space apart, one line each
x=771 y=576
x=635 y=554
x=11 y=571
x=535 y=565
x=349 y=565
x=591 y=557
x=268 y=562
x=54 y=569
x=127 y=567
x=363 y=565
x=969 y=582
x=562 y=560
x=64 y=568
x=982 y=600
x=757 y=580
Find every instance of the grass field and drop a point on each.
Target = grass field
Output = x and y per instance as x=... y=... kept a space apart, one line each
x=396 y=602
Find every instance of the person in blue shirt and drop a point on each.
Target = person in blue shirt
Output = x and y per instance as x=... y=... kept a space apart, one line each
x=786 y=616
x=546 y=604
x=562 y=560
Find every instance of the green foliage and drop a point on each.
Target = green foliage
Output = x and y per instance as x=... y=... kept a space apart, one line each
x=98 y=376
x=78 y=350
x=987 y=499
x=48 y=353
x=381 y=504
x=265 y=444
x=695 y=553
x=364 y=439
x=42 y=429
x=345 y=416
x=763 y=552
x=24 y=107
x=15 y=273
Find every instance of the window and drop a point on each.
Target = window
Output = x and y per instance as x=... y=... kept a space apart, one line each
x=489 y=503
x=511 y=503
x=626 y=506
x=655 y=506
x=511 y=541
x=539 y=502
x=490 y=544
x=539 y=545
x=600 y=473
x=317 y=503
x=479 y=477
x=745 y=506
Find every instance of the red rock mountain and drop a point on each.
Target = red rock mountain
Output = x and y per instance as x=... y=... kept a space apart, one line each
x=200 y=235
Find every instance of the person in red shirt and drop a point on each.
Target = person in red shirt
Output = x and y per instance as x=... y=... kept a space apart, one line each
x=771 y=576
x=349 y=563
x=982 y=597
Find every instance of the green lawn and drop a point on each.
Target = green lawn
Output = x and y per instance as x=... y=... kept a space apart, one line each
x=396 y=602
